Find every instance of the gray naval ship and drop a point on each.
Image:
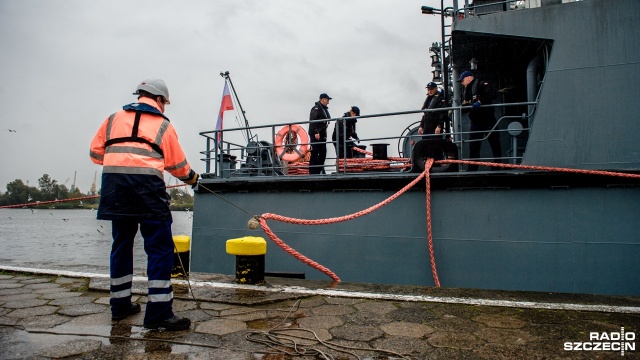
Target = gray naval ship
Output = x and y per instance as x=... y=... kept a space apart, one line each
x=567 y=74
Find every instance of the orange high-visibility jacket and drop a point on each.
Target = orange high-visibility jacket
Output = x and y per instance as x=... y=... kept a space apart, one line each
x=134 y=158
x=157 y=149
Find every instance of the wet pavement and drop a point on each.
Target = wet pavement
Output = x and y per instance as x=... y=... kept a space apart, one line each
x=49 y=316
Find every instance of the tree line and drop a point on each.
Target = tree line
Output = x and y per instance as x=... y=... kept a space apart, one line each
x=49 y=189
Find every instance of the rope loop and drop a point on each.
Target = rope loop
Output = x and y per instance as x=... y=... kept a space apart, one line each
x=289 y=250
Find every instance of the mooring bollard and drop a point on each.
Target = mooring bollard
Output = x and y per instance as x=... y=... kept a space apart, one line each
x=249 y=252
x=181 y=252
x=379 y=151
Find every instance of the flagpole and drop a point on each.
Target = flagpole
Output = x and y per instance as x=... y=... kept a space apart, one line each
x=227 y=77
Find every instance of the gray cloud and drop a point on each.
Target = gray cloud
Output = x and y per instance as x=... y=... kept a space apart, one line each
x=67 y=64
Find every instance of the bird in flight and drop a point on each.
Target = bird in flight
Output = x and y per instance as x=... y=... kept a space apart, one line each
x=11 y=130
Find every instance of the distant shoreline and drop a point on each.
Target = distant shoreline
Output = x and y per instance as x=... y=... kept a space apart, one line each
x=178 y=207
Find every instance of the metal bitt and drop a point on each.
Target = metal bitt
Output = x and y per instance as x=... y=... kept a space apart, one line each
x=249 y=252
x=379 y=151
x=181 y=255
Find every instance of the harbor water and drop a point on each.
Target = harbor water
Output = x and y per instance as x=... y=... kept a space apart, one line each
x=67 y=237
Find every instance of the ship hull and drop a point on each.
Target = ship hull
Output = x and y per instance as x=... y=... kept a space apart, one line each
x=567 y=77
x=489 y=232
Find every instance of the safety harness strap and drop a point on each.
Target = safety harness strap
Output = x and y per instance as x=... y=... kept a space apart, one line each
x=134 y=137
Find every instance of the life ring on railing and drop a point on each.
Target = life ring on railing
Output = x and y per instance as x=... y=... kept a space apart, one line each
x=291 y=143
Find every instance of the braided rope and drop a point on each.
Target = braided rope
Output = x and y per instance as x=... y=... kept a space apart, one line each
x=432 y=256
x=358 y=214
x=289 y=250
x=429 y=163
x=542 y=168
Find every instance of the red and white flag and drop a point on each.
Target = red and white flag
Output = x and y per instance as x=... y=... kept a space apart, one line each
x=226 y=104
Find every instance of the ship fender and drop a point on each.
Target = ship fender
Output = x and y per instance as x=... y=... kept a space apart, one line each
x=286 y=138
x=437 y=149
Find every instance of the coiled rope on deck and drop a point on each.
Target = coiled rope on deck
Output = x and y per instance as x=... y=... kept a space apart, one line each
x=392 y=158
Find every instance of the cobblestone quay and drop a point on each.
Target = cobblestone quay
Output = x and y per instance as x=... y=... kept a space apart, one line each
x=45 y=316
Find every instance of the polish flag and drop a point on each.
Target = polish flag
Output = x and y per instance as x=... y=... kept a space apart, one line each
x=226 y=104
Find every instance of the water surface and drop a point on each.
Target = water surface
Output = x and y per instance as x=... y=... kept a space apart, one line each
x=67 y=237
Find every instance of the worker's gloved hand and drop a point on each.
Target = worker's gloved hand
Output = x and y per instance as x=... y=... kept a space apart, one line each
x=476 y=104
x=193 y=179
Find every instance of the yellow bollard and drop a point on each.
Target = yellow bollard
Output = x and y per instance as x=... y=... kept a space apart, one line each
x=249 y=252
x=181 y=252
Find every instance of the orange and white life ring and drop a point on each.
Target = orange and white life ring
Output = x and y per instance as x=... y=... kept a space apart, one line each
x=291 y=143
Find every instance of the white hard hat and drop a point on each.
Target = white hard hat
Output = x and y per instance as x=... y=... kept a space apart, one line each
x=154 y=86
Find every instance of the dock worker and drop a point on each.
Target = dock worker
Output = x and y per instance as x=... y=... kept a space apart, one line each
x=478 y=93
x=318 y=134
x=135 y=146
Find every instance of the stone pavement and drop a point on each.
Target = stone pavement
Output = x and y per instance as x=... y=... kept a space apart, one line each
x=45 y=316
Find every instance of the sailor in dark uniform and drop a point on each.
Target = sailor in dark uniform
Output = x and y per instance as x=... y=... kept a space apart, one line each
x=432 y=122
x=478 y=93
x=318 y=134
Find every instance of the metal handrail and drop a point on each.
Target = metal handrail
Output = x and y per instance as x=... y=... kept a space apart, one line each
x=274 y=168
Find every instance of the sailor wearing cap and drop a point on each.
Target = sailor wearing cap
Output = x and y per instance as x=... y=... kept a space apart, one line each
x=318 y=134
x=344 y=133
x=432 y=122
x=479 y=93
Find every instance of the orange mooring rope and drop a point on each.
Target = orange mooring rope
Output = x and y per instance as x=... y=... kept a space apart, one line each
x=432 y=256
x=429 y=163
x=542 y=168
x=266 y=216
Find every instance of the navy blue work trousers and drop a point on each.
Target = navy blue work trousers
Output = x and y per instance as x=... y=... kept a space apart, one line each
x=480 y=129
x=158 y=244
x=318 y=156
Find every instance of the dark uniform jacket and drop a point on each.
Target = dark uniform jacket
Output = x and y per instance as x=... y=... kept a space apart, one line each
x=479 y=90
x=431 y=120
x=319 y=112
x=350 y=128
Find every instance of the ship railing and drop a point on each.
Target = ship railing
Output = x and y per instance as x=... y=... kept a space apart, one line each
x=477 y=8
x=226 y=157
x=462 y=9
x=514 y=129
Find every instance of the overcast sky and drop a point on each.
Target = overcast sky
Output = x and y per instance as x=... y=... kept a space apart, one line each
x=65 y=65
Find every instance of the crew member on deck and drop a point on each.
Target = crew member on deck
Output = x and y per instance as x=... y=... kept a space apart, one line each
x=318 y=134
x=346 y=130
x=478 y=93
x=432 y=122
